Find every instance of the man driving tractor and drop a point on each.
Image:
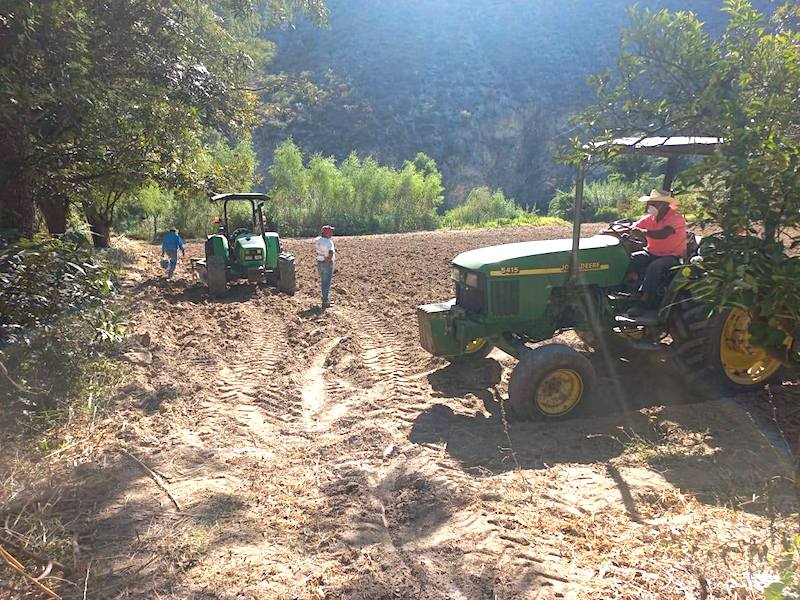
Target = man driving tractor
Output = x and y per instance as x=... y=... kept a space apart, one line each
x=664 y=230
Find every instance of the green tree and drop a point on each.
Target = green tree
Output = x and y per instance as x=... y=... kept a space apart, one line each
x=216 y=166
x=359 y=196
x=98 y=97
x=674 y=77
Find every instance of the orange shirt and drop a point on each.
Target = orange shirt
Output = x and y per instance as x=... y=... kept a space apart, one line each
x=673 y=245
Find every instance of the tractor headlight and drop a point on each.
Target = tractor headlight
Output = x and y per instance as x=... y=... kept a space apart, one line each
x=455 y=275
x=471 y=280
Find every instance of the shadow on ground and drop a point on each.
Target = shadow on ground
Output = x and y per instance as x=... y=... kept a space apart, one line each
x=715 y=448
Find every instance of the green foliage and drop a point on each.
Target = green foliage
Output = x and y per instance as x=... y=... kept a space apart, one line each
x=148 y=212
x=43 y=278
x=357 y=196
x=55 y=313
x=788 y=586
x=675 y=77
x=108 y=96
x=482 y=205
x=484 y=208
x=607 y=200
x=486 y=88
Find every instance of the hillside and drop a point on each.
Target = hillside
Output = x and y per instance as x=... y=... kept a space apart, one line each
x=484 y=87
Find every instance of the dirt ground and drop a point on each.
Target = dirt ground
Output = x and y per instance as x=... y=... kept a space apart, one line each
x=294 y=453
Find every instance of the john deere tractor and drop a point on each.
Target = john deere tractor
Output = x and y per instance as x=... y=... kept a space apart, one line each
x=250 y=253
x=514 y=295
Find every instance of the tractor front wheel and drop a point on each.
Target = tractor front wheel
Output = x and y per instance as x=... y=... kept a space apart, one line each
x=550 y=382
x=474 y=350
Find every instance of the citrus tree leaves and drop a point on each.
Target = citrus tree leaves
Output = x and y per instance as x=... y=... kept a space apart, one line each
x=674 y=78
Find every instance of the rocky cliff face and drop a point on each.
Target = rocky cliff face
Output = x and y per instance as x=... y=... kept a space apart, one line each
x=485 y=87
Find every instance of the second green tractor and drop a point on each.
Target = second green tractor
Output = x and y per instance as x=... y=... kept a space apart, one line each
x=249 y=253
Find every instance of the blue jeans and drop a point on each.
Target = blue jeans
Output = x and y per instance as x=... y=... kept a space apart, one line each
x=655 y=269
x=325 y=269
x=172 y=255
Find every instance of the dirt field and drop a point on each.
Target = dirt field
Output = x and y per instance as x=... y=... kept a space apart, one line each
x=326 y=455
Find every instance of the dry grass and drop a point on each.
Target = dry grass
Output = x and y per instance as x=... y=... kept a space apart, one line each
x=672 y=545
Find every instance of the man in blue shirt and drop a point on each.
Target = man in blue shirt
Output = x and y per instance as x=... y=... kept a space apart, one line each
x=169 y=247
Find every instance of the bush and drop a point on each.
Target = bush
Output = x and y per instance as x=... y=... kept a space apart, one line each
x=484 y=208
x=481 y=206
x=44 y=278
x=54 y=310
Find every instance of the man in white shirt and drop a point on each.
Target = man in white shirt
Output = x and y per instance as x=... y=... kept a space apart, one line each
x=326 y=257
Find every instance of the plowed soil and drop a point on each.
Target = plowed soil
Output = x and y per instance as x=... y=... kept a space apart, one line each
x=326 y=455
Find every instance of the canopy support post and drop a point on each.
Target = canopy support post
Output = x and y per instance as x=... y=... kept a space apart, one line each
x=574 y=257
x=669 y=174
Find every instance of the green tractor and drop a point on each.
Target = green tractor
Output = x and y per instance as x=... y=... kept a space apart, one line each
x=514 y=295
x=250 y=253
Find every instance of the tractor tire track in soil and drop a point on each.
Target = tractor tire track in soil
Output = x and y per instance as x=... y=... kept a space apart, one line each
x=324 y=454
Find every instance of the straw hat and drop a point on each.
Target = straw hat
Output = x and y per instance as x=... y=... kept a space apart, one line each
x=660 y=196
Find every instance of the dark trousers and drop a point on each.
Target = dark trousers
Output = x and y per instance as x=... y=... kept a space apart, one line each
x=654 y=269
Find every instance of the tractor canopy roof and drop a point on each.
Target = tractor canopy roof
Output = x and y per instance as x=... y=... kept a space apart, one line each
x=244 y=196
x=662 y=146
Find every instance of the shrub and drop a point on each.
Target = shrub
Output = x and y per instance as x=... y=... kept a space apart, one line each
x=43 y=278
x=484 y=208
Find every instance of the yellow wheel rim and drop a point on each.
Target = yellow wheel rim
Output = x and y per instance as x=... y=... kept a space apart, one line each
x=559 y=392
x=743 y=364
x=474 y=345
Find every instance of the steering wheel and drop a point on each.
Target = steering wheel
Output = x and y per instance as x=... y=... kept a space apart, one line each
x=237 y=232
x=619 y=227
x=623 y=229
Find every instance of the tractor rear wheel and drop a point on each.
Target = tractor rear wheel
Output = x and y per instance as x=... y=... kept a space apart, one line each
x=217 y=281
x=550 y=381
x=287 y=280
x=715 y=351
x=474 y=350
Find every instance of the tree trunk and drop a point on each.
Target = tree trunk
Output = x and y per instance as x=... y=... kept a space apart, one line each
x=16 y=194
x=100 y=226
x=55 y=210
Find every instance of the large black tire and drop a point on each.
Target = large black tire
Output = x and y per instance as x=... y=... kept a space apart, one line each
x=287 y=280
x=550 y=382
x=481 y=350
x=701 y=338
x=217 y=280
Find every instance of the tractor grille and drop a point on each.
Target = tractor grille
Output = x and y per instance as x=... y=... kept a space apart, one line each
x=504 y=298
x=471 y=299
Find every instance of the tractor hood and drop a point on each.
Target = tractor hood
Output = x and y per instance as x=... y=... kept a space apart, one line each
x=602 y=255
x=523 y=253
x=251 y=241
